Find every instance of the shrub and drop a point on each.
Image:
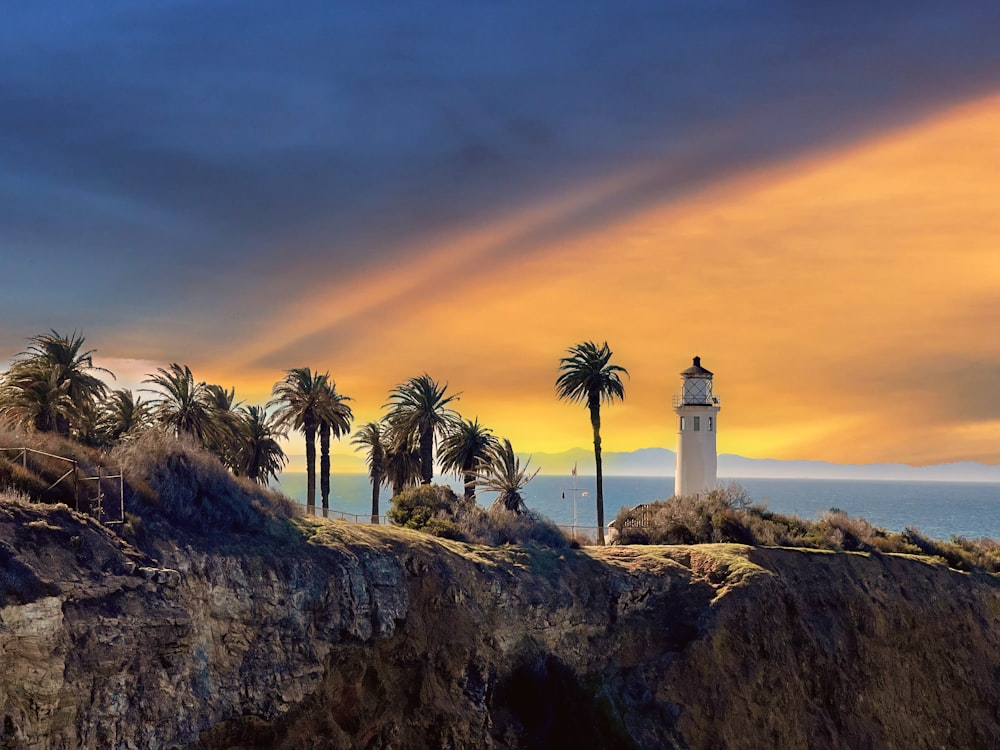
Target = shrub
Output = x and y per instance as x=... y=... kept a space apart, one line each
x=437 y=510
x=415 y=508
x=727 y=516
x=498 y=526
x=191 y=489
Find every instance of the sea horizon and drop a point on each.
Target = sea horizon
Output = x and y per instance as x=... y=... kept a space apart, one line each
x=938 y=508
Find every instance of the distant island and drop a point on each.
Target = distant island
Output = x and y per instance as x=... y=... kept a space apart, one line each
x=659 y=462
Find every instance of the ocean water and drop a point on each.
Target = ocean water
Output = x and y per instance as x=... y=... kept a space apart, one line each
x=938 y=509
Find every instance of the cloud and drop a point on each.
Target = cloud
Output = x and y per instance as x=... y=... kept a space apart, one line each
x=469 y=189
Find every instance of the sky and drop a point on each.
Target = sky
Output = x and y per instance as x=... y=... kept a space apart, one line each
x=803 y=194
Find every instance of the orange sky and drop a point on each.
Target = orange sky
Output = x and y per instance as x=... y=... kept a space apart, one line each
x=846 y=301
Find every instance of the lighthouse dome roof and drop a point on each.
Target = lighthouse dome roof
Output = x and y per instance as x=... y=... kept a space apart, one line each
x=696 y=370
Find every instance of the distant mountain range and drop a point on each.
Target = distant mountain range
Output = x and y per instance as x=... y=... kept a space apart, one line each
x=655 y=462
x=658 y=462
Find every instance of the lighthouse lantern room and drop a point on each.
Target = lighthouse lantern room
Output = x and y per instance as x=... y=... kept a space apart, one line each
x=697 y=410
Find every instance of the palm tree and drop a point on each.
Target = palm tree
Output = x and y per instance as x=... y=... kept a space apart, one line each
x=335 y=418
x=299 y=398
x=35 y=401
x=501 y=472
x=402 y=461
x=418 y=408
x=227 y=416
x=185 y=406
x=466 y=446
x=372 y=438
x=55 y=364
x=259 y=456
x=585 y=376
x=122 y=415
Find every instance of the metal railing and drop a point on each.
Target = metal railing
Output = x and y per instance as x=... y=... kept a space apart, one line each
x=340 y=515
x=95 y=505
x=682 y=400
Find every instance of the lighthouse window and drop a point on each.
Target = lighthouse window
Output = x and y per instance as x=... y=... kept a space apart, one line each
x=709 y=424
x=682 y=424
x=697 y=424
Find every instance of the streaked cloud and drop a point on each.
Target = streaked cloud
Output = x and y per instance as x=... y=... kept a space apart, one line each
x=801 y=193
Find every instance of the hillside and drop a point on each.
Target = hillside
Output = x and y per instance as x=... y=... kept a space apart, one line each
x=320 y=634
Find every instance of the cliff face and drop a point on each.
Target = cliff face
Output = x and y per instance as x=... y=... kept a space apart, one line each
x=343 y=636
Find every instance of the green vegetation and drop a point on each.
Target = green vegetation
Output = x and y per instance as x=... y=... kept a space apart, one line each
x=53 y=386
x=464 y=449
x=729 y=515
x=185 y=406
x=122 y=416
x=587 y=376
x=258 y=456
x=501 y=472
x=419 y=412
x=437 y=510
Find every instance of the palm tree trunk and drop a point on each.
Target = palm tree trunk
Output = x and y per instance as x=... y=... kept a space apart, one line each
x=310 y=431
x=324 y=466
x=376 y=486
x=469 y=479
x=595 y=421
x=427 y=455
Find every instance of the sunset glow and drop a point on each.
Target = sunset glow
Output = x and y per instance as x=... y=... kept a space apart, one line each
x=843 y=300
x=829 y=249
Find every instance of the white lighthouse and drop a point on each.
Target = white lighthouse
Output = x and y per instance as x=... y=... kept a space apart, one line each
x=697 y=412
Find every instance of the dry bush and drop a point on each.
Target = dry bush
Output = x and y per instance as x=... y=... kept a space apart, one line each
x=437 y=510
x=498 y=526
x=959 y=553
x=192 y=490
x=727 y=516
x=719 y=516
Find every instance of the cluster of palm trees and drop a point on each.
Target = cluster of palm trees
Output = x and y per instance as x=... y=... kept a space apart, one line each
x=54 y=386
x=419 y=422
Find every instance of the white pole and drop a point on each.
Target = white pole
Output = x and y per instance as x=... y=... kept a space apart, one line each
x=574 y=498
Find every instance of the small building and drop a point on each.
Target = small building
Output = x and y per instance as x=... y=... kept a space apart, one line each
x=697 y=409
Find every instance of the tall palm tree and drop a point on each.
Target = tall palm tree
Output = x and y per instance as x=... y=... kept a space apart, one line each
x=299 y=401
x=335 y=418
x=466 y=446
x=185 y=406
x=586 y=376
x=419 y=408
x=54 y=362
x=259 y=456
x=501 y=472
x=372 y=438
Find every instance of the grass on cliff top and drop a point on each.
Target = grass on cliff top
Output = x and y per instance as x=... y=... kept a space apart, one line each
x=718 y=563
x=332 y=533
x=729 y=515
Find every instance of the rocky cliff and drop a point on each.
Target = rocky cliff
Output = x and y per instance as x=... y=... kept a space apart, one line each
x=330 y=635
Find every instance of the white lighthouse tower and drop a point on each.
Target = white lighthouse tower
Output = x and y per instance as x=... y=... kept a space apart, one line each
x=697 y=411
